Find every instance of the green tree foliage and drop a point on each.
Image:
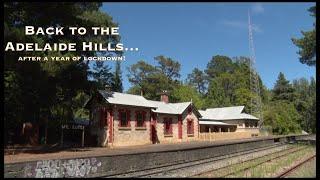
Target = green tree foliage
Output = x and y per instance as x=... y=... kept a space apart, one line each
x=78 y=101
x=305 y=103
x=198 y=80
x=307 y=44
x=219 y=64
x=186 y=93
x=292 y=106
x=168 y=67
x=117 y=78
x=283 y=90
x=36 y=91
x=216 y=96
x=282 y=117
x=150 y=80
x=140 y=75
x=229 y=83
x=100 y=73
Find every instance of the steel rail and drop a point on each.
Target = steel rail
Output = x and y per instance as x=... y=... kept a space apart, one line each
x=226 y=167
x=292 y=169
x=277 y=157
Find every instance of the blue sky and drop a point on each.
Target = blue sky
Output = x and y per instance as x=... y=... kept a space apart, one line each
x=192 y=33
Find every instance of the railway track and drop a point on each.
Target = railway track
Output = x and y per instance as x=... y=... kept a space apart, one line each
x=282 y=154
x=292 y=169
x=158 y=171
x=268 y=160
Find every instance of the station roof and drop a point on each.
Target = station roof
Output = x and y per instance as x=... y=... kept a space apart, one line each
x=126 y=99
x=170 y=108
x=140 y=101
x=226 y=113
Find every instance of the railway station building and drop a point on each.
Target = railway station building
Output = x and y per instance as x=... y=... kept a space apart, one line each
x=120 y=119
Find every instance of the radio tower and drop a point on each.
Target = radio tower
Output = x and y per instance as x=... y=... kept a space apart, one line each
x=256 y=105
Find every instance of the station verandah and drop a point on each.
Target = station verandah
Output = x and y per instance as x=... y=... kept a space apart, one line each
x=216 y=128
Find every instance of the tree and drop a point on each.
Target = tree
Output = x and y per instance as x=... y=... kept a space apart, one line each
x=282 y=117
x=313 y=108
x=48 y=88
x=139 y=75
x=216 y=96
x=219 y=64
x=117 y=78
x=292 y=107
x=307 y=44
x=168 y=67
x=243 y=96
x=198 y=80
x=150 y=80
x=304 y=102
x=229 y=83
x=282 y=89
x=101 y=74
x=221 y=82
x=186 y=93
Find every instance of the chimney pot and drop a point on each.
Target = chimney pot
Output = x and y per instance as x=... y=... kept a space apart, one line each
x=164 y=96
x=107 y=88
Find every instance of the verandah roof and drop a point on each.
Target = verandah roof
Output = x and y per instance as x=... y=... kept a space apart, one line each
x=215 y=123
x=226 y=113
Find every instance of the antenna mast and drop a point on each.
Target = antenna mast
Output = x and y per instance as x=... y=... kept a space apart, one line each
x=256 y=104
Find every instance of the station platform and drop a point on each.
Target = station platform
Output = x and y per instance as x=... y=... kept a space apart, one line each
x=122 y=150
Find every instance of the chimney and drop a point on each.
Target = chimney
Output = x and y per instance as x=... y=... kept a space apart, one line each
x=164 y=96
x=107 y=87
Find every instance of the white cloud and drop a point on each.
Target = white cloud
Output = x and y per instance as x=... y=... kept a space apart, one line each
x=241 y=25
x=257 y=8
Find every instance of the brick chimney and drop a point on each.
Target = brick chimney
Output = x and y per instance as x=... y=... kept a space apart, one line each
x=164 y=96
x=107 y=87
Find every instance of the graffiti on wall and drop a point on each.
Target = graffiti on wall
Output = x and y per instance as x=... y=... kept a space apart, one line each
x=62 y=168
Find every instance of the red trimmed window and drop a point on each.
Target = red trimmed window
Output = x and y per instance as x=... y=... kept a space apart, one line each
x=124 y=118
x=140 y=119
x=167 y=123
x=190 y=126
